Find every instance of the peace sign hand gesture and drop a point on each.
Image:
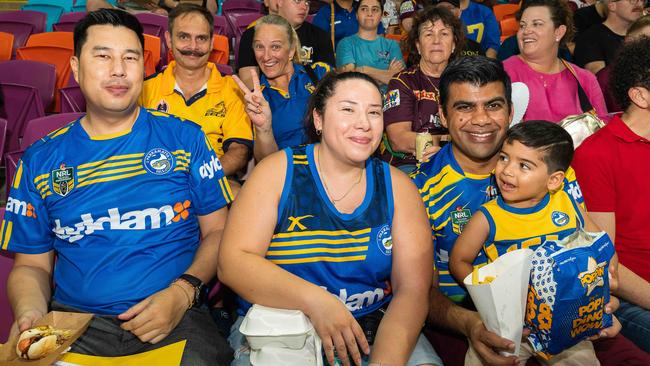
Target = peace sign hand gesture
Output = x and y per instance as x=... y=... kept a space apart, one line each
x=257 y=107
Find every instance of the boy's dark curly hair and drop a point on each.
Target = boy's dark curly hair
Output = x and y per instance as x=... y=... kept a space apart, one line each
x=631 y=69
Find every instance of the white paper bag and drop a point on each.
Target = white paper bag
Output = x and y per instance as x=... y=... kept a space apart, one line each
x=502 y=302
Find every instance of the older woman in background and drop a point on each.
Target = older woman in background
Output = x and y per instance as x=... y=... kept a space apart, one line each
x=552 y=82
x=412 y=100
x=278 y=103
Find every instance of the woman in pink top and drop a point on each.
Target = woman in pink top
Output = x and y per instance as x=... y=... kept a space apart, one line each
x=543 y=26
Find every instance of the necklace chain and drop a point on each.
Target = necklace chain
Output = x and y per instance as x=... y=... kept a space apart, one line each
x=334 y=200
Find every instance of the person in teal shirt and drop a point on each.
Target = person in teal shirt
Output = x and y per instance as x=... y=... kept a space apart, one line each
x=367 y=51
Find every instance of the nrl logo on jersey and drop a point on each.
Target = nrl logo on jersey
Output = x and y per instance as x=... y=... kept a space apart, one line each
x=459 y=218
x=62 y=180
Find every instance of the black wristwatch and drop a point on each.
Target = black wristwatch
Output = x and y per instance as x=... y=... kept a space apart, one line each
x=199 y=288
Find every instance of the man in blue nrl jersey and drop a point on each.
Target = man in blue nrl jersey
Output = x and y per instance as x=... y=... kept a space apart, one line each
x=132 y=204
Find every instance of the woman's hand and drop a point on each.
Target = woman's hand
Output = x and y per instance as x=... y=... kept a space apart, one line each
x=257 y=107
x=396 y=66
x=338 y=330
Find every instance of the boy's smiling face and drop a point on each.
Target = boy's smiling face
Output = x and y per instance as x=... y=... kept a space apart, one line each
x=522 y=175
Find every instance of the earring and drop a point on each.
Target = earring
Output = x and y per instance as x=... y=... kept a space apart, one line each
x=319 y=132
x=557 y=40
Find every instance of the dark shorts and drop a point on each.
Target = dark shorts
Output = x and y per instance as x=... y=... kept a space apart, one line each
x=204 y=347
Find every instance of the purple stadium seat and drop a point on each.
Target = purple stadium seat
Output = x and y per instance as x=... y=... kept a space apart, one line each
x=240 y=21
x=224 y=69
x=67 y=21
x=155 y=25
x=21 y=104
x=3 y=136
x=72 y=100
x=221 y=26
x=39 y=75
x=40 y=127
x=22 y=24
x=6 y=314
x=241 y=6
x=35 y=129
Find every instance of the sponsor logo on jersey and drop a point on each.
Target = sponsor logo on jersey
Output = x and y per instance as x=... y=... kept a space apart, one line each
x=392 y=99
x=459 y=218
x=574 y=191
x=146 y=219
x=295 y=222
x=384 y=56
x=559 y=218
x=210 y=168
x=162 y=106
x=310 y=87
x=20 y=207
x=385 y=240
x=593 y=276
x=363 y=299
x=158 y=161
x=219 y=110
x=306 y=54
x=425 y=95
x=491 y=192
x=62 y=180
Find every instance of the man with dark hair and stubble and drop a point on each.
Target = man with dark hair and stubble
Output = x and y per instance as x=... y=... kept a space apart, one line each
x=132 y=204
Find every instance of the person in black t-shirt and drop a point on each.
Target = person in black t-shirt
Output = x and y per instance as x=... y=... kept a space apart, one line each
x=585 y=18
x=597 y=46
x=315 y=42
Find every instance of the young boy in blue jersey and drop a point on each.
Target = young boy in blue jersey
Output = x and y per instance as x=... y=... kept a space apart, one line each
x=530 y=209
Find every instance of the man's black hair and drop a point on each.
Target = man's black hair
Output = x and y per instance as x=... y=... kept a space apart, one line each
x=550 y=138
x=631 y=69
x=476 y=70
x=114 y=17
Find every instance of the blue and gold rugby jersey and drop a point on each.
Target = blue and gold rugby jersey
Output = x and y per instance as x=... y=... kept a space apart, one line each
x=554 y=218
x=350 y=255
x=120 y=211
x=450 y=197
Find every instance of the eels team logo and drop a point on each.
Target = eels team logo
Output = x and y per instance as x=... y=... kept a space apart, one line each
x=158 y=161
x=62 y=180
x=559 y=218
x=385 y=240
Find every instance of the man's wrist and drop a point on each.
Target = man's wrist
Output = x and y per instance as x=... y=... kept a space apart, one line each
x=187 y=288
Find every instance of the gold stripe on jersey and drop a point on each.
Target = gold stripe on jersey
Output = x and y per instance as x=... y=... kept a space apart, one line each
x=96 y=174
x=319 y=241
x=225 y=189
x=319 y=259
x=300 y=159
x=111 y=178
x=18 y=176
x=90 y=171
x=116 y=157
x=321 y=232
x=41 y=177
x=317 y=250
x=7 y=234
x=58 y=132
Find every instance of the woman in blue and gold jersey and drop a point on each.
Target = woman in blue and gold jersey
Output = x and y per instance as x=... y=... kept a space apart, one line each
x=326 y=229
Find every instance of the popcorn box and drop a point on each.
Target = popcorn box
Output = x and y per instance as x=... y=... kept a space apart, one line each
x=568 y=290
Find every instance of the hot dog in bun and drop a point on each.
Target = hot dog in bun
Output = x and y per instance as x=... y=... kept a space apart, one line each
x=38 y=342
